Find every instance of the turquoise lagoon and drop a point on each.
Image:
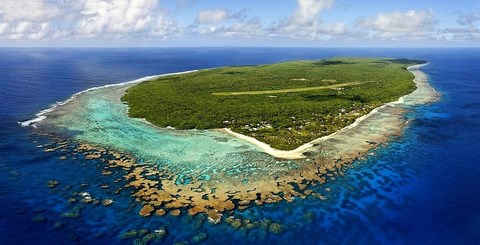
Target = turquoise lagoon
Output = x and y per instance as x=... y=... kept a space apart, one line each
x=98 y=117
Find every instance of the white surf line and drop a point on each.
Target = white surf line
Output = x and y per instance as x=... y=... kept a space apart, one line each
x=297 y=153
x=43 y=113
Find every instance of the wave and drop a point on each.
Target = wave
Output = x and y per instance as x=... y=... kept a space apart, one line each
x=40 y=116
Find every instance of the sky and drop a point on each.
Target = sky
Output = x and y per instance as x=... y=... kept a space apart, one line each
x=248 y=23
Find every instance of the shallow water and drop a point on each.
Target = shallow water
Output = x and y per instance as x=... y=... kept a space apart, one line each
x=420 y=188
x=98 y=117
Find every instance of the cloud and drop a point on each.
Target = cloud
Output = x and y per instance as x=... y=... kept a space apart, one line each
x=308 y=10
x=149 y=20
x=24 y=30
x=115 y=19
x=412 y=25
x=470 y=29
x=81 y=19
x=401 y=22
x=26 y=19
x=466 y=19
x=306 y=22
x=115 y=16
x=469 y=33
x=303 y=23
x=4 y=28
x=163 y=28
x=251 y=28
x=212 y=16
x=336 y=28
x=31 y=11
x=466 y=31
x=226 y=23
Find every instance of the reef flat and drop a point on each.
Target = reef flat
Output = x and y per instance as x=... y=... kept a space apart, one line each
x=206 y=171
x=284 y=105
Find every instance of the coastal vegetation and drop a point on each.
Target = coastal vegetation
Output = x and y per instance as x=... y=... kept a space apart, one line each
x=284 y=105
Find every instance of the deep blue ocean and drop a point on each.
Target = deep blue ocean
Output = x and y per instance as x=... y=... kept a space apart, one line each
x=422 y=188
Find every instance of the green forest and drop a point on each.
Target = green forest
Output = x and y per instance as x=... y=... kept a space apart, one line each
x=284 y=105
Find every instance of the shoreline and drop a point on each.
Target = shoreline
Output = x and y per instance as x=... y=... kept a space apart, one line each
x=40 y=116
x=298 y=153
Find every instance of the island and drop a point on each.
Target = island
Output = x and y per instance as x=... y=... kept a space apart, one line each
x=284 y=105
x=336 y=111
